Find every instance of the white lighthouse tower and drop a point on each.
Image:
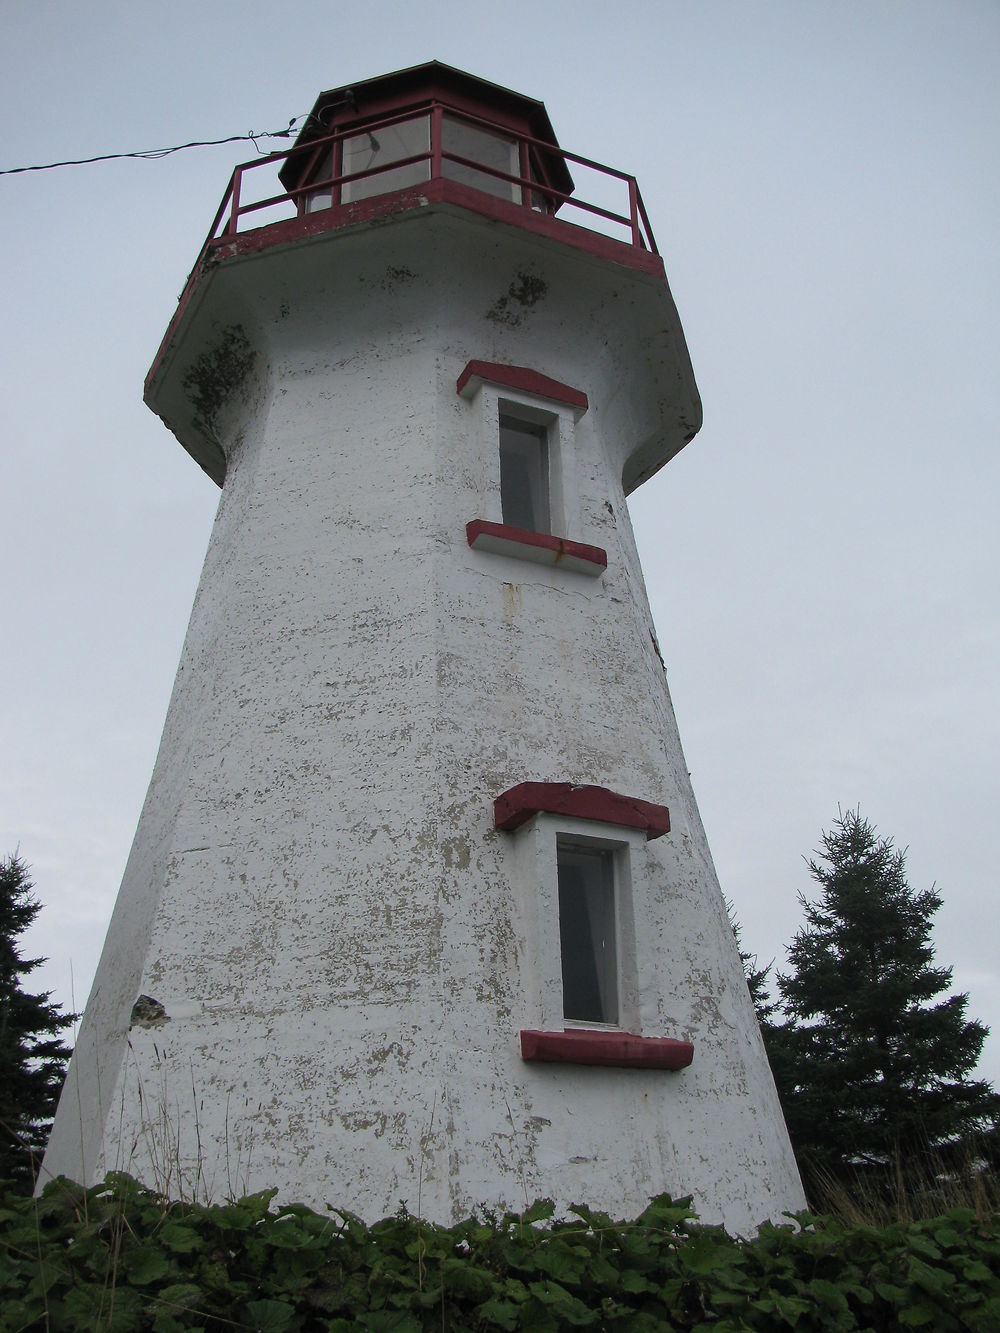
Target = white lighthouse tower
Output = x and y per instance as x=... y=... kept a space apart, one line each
x=420 y=906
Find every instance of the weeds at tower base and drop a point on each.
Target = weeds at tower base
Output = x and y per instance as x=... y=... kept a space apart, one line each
x=155 y=1148
x=121 y=1257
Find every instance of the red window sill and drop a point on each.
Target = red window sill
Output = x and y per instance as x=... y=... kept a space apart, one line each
x=539 y=547
x=623 y=1050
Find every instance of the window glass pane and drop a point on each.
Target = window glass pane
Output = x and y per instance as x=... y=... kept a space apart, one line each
x=524 y=474
x=587 y=933
x=388 y=144
x=541 y=203
x=323 y=171
x=493 y=150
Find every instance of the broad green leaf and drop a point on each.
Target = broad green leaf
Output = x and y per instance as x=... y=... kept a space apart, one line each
x=945 y=1236
x=827 y=1294
x=670 y=1214
x=598 y=1221
x=919 y=1316
x=561 y=1303
x=935 y=1280
x=165 y=1322
x=176 y=1236
x=145 y=1265
x=504 y=1314
x=889 y=1292
x=635 y=1282
x=787 y=1308
x=461 y=1278
x=180 y=1296
x=285 y=1235
x=271 y=1316
x=924 y=1245
x=389 y=1321
x=974 y=1271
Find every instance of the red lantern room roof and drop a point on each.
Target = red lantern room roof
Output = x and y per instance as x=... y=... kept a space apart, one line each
x=418 y=87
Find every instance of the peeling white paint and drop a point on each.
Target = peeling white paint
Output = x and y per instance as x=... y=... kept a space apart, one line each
x=344 y=945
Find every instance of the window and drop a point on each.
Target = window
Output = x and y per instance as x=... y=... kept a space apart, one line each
x=391 y=143
x=379 y=148
x=524 y=474
x=493 y=150
x=528 y=486
x=323 y=171
x=578 y=866
x=587 y=930
x=580 y=871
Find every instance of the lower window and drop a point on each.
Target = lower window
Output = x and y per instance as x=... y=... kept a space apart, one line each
x=587 y=933
x=581 y=874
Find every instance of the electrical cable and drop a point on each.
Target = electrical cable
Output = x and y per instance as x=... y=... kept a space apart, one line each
x=154 y=154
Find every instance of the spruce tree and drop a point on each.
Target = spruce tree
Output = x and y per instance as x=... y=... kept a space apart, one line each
x=874 y=1070
x=32 y=1054
x=756 y=977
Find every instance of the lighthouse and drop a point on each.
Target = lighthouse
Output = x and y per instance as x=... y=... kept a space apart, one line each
x=420 y=907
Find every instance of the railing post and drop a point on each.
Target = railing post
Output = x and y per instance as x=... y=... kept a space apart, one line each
x=633 y=212
x=337 y=170
x=234 y=212
x=524 y=171
x=437 y=121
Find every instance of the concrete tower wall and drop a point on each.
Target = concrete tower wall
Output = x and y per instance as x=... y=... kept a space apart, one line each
x=341 y=946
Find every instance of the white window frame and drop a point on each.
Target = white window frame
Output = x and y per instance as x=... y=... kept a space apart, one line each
x=607 y=968
x=533 y=851
x=559 y=420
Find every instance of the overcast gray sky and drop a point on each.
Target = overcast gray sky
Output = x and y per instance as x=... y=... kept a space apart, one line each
x=822 y=561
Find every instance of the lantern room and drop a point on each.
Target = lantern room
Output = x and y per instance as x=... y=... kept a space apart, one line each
x=401 y=130
x=429 y=142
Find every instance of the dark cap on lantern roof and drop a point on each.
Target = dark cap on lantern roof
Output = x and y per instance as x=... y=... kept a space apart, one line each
x=416 y=88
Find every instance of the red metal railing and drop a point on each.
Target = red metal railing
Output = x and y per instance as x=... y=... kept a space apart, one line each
x=630 y=225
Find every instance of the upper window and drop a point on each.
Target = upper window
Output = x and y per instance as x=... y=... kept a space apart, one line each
x=492 y=149
x=524 y=474
x=528 y=467
x=391 y=143
x=376 y=150
x=587 y=932
x=322 y=171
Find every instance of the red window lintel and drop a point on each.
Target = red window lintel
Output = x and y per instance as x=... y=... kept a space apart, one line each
x=523 y=379
x=517 y=805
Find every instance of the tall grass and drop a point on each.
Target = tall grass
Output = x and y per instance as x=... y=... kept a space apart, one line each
x=907 y=1191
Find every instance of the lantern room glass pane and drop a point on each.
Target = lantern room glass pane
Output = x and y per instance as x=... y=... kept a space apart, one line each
x=493 y=150
x=323 y=171
x=388 y=144
x=524 y=474
x=587 y=933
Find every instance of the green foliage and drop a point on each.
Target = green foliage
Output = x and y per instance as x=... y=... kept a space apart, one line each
x=758 y=978
x=118 y=1257
x=32 y=1054
x=872 y=1069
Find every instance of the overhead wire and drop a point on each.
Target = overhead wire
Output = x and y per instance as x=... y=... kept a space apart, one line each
x=154 y=154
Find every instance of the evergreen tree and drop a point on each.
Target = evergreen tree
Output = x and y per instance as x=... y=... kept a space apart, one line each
x=32 y=1054
x=757 y=977
x=873 y=1069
